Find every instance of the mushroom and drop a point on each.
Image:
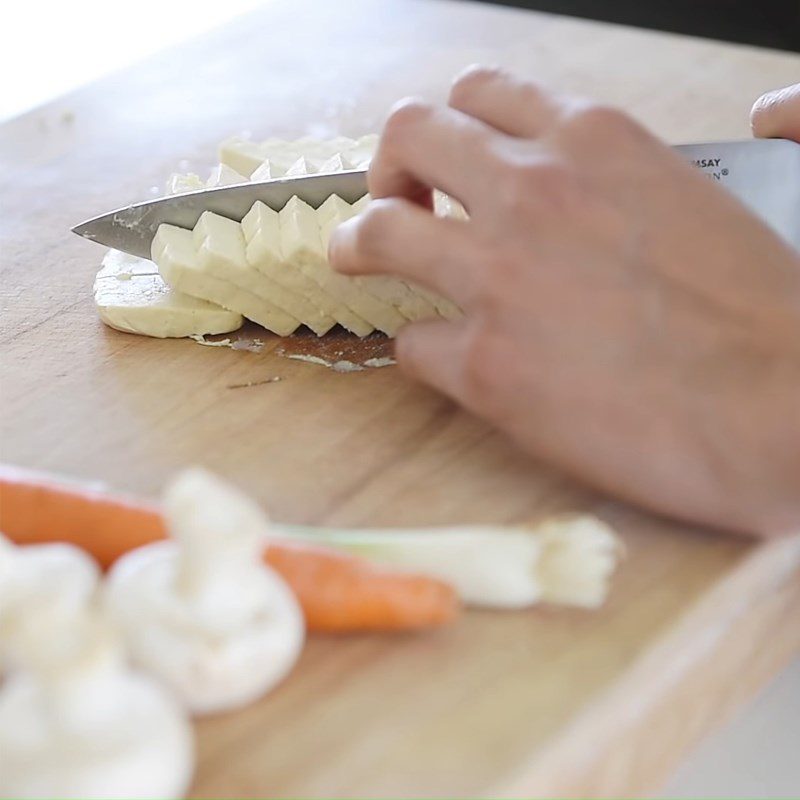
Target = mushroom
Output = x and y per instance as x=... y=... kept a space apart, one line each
x=75 y=719
x=202 y=611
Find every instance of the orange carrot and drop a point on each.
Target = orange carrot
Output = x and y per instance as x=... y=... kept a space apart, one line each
x=36 y=508
x=338 y=592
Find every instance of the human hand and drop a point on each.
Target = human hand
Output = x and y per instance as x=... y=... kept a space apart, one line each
x=776 y=115
x=625 y=318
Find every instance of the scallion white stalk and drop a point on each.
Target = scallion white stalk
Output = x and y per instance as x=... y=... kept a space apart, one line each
x=565 y=560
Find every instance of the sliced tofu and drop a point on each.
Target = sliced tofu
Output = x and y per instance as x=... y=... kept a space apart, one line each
x=221 y=246
x=223 y=175
x=246 y=156
x=178 y=184
x=261 y=229
x=242 y=155
x=281 y=257
x=265 y=171
x=333 y=211
x=301 y=244
x=178 y=262
x=299 y=167
x=392 y=291
x=413 y=301
x=360 y=151
x=336 y=163
x=131 y=296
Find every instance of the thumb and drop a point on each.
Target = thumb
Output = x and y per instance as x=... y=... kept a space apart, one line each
x=776 y=115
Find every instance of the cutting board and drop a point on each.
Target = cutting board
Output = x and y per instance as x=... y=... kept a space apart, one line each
x=548 y=701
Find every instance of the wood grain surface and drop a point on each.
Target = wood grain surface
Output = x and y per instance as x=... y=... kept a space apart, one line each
x=545 y=702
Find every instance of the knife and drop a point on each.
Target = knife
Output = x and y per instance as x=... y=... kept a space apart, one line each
x=762 y=173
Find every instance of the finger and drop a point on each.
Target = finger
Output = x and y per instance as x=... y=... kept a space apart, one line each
x=433 y=353
x=423 y=147
x=395 y=237
x=516 y=107
x=776 y=115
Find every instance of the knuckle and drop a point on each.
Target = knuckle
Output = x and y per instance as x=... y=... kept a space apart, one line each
x=599 y=119
x=405 y=115
x=472 y=79
x=531 y=93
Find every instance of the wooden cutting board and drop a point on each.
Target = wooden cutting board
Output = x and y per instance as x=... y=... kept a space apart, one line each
x=547 y=701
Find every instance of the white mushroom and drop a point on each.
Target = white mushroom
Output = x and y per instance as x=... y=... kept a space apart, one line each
x=202 y=611
x=75 y=720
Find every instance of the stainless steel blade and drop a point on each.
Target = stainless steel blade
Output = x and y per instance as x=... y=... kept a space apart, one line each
x=763 y=173
x=131 y=229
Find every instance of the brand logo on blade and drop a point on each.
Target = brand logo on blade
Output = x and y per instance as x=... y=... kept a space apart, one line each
x=711 y=167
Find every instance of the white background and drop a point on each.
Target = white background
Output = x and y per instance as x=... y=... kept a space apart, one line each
x=48 y=48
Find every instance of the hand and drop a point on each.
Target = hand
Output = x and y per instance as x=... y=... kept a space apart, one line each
x=625 y=318
x=776 y=115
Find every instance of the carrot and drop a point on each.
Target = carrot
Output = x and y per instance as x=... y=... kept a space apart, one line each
x=338 y=592
x=35 y=508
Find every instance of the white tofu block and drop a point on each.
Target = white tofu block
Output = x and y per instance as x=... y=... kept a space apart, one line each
x=223 y=175
x=444 y=206
x=221 y=247
x=446 y=308
x=246 y=156
x=299 y=167
x=174 y=252
x=336 y=163
x=131 y=296
x=241 y=154
x=265 y=172
x=392 y=291
x=178 y=184
x=282 y=257
x=301 y=244
x=360 y=151
x=261 y=229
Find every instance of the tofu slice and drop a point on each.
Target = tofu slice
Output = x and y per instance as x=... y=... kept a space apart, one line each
x=223 y=175
x=301 y=244
x=221 y=248
x=261 y=229
x=246 y=156
x=299 y=167
x=178 y=183
x=336 y=163
x=265 y=171
x=444 y=206
x=327 y=215
x=282 y=257
x=174 y=252
x=131 y=296
x=360 y=151
x=243 y=155
x=392 y=291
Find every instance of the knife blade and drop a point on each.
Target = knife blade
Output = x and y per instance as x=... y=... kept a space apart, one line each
x=132 y=228
x=763 y=173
